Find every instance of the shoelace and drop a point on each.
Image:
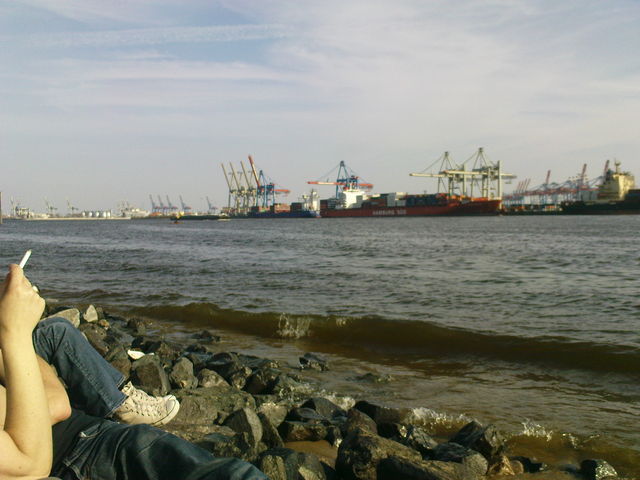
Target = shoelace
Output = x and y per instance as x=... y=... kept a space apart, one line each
x=143 y=403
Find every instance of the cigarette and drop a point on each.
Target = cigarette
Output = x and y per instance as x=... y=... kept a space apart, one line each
x=24 y=260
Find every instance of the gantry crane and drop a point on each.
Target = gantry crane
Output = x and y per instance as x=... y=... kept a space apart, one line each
x=484 y=175
x=185 y=208
x=266 y=190
x=346 y=180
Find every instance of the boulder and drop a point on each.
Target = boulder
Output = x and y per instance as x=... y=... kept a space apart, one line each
x=118 y=358
x=293 y=431
x=210 y=405
x=260 y=380
x=137 y=326
x=148 y=374
x=90 y=315
x=270 y=436
x=324 y=407
x=529 y=465
x=501 y=465
x=306 y=415
x=594 y=469
x=453 y=452
x=96 y=336
x=227 y=443
x=275 y=412
x=72 y=315
x=394 y=468
x=284 y=386
x=279 y=464
x=360 y=453
x=382 y=414
x=313 y=362
x=309 y=467
x=246 y=421
x=206 y=336
x=486 y=440
x=357 y=420
x=181 y=375
x=209 y=378
x=418 y=439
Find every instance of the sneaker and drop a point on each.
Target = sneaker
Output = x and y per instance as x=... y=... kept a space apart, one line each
x=142 y=408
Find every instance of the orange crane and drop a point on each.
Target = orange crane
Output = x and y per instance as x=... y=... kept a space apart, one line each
x=346 y=180
x=266 y=190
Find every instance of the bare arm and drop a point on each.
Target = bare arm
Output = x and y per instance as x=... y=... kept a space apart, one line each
x=57 y=398
x=25 y=443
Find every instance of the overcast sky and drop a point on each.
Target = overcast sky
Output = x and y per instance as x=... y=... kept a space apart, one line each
x=103 y=101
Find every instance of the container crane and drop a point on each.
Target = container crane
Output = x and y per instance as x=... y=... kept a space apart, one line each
x=51 y=210
x=265 y=191
x=212 y=209
x=185 y=208
x=346 y=180
x=72 y=210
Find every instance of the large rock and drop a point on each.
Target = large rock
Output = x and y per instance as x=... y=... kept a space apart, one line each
x=260 y=380
x=209 y=378
x=270 y=436
x=324 y=407
x=96 y=336
x=453 y=452
x=118 y=358
x=246 y=421
x=182 y=374
x=275 y=412
x=594 y=469
x=309 y=467
x=279 y=464
x=382 y=414
x=395 y=468
x=486 y=440
x=72 y=315
x=360 y=453
x=357 y=420
x=211 y=405
x=90 y=315
x=293 y=431
x=148 y=373
x=314 y=362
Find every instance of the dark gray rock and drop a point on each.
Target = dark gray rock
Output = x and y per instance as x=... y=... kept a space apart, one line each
x=148 y=373
x=314 y=362
x=227 y=444
x=270 y=436
x=392 y=430
x=209 y=378
x=181 y=375
x=453 y=452
x=502 y=466
x=360 y=453
x=324 y=407
x=118 y=358
x=284 y=386
x=309 y=467
x=292 y=431
x=306 y=415
x=137 y=326
x=530 y=465
x=279 y=463
x=246 y=421
x=96 y=336
x=207 y=336
x=373 y=378
x=382 y=414
x=357 y=420
x=594 y=469
x=394 y=468
x=260 y=380
x=486 y=440
x=275 y=412
x=210 y=405
x=418 y=439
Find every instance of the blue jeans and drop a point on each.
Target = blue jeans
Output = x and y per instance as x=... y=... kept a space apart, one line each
x=108 y=450
x=92 y=383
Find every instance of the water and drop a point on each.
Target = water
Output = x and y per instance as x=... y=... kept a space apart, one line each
x=528 y=322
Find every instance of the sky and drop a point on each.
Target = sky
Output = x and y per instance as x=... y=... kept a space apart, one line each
x=106 y=101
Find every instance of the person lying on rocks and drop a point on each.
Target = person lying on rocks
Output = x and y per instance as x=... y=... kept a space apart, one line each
x=85 y=444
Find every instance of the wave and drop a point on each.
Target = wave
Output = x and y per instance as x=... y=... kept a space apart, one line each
x=411 y=340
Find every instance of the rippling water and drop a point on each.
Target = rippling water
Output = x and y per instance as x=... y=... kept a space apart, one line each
x=528 y=322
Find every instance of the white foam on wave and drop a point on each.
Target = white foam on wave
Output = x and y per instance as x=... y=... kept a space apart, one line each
x=297 y=327
x=428 y=417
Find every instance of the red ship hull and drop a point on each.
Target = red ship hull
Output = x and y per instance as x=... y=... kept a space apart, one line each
x=473 y=207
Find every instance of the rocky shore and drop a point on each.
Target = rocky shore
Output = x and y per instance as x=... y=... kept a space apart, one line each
x=237 y=405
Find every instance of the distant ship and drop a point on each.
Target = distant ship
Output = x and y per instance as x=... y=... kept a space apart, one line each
x=355 y=203
x=617 y=195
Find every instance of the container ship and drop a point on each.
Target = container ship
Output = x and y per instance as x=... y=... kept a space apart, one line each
x=617 y=195
x=282 y=210
x=397 y=204
x=456 y=182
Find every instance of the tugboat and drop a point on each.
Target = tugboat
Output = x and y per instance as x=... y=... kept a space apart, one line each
x=616 y=195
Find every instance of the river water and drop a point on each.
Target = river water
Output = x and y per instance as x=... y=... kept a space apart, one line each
x=527 y=322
